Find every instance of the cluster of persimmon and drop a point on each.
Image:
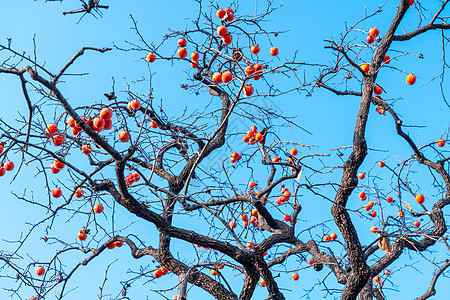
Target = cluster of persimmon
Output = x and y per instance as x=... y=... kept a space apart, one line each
x=246 y=221
x=252 y=71
x=132 y=178
x=214 y=271
x=420 y=199
x=7 y=166
x=377 y=278
x=160 y=272
x=253 y=136
x=285 y=196
x=52 y=132
x=330 y=237
x=235 y=157
x=372 y=34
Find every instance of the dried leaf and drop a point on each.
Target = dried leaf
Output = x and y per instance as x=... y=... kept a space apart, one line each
x=110 y=96
x=408 y=206
x=384 y=245
x=299 y=176
x=237 y=54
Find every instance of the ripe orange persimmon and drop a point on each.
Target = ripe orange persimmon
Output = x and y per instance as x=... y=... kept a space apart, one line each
x=362 y=195
x=58 y=140
x=245 y=138
x=214 y=272
x=75 y=130
x=411 y=79
x=361 y=175
x=386 y=59
x=182 y=52
x=79 y=193
x=108 y=124
x=259 y=137
x=40 y=271
x=365 y=68
x=326 y=238
x=381 y=164
x=333 y=236
x=98 y=208
x=1 y=148
x=98 y=124
x=9 y=165
x=82 y=236
x=112 y=245
x=370 y=39
x=3 y=171
x=230 y=16
x=227 y=39
x=71 y=122
x=274 y=51
x=310 y=261
x=153 y=124
x=51 y=128
x=150 y=57
x=295 y=276
x=374 y=32
x=252 y=184
x=120 y=244
x=249 y=70
x=374 y=229
x=411 y=2
x=233 y=224
x=194 y=64
x=163 y=269
x=220 y=13
x=56 y=192
x=377 y=90
x=287 y=218
x=420 y=198
x=182 y=42
x=416 y=224
x=105 y=114
x=401 y=214
x=262 y=282
x=52 y=169
x=227 y=77
x=276 y=159
x=373 y=214
x=195 y=56
x=254 y=212
x=222 y=31
x=124 y=136
x=217 y=77
x=157 y=273
x=255 y=49
x=134 y=105
x=389 y=199
x=440 y=143
x=86 y=149
x=294 y=151
x=376 y=279
x=248 y=90
x=235 y=155
x=58 y=164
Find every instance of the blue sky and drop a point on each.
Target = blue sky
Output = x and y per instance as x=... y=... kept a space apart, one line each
x=329 y=118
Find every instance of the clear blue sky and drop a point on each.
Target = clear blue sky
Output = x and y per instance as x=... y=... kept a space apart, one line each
x=329 y=118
